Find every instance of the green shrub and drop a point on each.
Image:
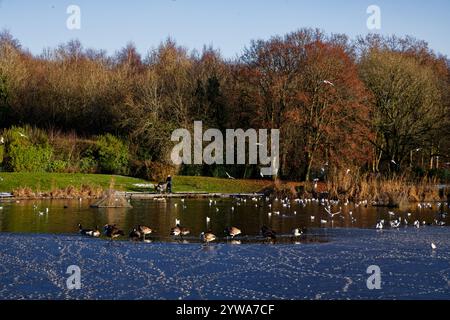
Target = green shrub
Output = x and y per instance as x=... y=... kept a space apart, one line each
x=88 y=165
x=27 y=150
x=2 y=152
x=112 y=154
x=58 y=166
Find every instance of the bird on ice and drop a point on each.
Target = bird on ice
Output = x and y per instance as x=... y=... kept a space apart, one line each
x=380 y=225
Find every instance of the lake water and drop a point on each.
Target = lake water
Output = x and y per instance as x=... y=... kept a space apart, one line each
x=249 y=215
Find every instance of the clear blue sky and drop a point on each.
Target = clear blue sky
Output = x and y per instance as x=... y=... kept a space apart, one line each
x=226 y=24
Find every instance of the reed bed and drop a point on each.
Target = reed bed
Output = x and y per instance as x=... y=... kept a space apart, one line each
x=70 y=192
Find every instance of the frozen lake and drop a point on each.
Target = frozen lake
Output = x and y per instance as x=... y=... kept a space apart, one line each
x=34 y=267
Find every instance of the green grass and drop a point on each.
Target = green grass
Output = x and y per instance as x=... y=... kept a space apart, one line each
x=216 y=185
x=49 y=181
x=45 y=182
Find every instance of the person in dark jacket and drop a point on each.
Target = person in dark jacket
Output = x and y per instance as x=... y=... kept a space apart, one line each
x=169 y=184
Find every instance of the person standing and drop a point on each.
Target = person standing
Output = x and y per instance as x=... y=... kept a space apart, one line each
x=169 y=183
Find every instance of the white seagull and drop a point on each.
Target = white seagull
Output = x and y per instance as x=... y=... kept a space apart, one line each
x=380 y=225
x=229 y=177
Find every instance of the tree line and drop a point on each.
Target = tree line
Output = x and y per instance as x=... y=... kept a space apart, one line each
x=376 y=104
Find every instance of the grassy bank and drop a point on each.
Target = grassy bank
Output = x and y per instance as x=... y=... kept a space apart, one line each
x=94 y=183
x=45 y=182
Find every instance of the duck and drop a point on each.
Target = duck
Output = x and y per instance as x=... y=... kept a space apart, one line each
x=111 y=231
x=433 y=246
x=297 y=232
x=95 y=233
x=268 y=233
x=135 y=235
x=145 y=231
x=207 y=237
x=439 y=223
x=232 y=231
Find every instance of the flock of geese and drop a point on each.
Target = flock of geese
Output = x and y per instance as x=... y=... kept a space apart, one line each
x=139 y=233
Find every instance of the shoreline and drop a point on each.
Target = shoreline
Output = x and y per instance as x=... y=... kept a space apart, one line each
x=143 y=196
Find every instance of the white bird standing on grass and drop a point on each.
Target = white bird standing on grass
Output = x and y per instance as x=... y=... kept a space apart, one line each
x=2 y=140
x=328 y=82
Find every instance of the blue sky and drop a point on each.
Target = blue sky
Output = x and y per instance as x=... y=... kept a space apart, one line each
x=226 y=24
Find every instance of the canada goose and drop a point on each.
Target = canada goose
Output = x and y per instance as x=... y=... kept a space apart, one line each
x=95 y=233
x=207 y=237
x=135 y=235
x=232 y=232
x=417 y=224
x=111 y=231
x=395 y=224
x=268 y=233
x=380 y=225
x=439 y=223
x=144 y=231
x=179 y=231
